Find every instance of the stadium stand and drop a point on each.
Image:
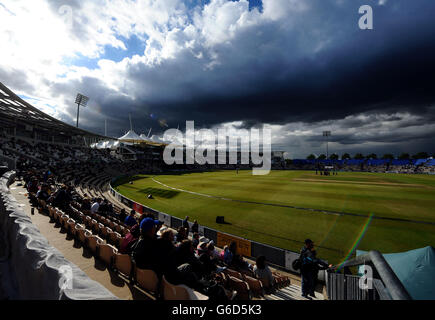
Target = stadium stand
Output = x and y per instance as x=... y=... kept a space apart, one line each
x=64 y=178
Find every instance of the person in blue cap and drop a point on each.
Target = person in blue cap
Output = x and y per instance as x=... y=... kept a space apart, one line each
x=146 y=249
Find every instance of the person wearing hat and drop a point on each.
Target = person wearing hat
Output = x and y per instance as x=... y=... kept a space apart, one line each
x=145 y=251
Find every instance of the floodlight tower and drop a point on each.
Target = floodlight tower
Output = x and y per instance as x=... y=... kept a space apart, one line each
x=81 y=100
x=327 y=134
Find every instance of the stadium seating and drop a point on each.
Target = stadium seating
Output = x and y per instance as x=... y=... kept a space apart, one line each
x=179 y=292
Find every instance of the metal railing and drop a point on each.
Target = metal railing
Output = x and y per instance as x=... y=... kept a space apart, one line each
x=385 y=284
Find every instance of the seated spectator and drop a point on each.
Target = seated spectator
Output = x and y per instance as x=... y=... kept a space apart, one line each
x=131 y=220
x=211 y=251
x=122 y=215
x=181 y=235
x=156 y=254
x=201 y=248
x=263 y=273
x=43 y=194
x=86 y=205
x=96 y=206
x=130 y=240
x=233 y=259
x=145 y=251
x=195 y=239
x=102 y=210
x=229 y=252
x=62 y=198
x=159 y=226
x=185 y=254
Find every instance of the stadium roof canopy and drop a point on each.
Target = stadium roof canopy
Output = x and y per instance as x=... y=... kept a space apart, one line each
x=14 y=110
x=131 y=136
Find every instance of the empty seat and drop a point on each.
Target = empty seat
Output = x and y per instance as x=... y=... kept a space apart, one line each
x=180 y=292
x=242 y=288
x=255 y=285
x=70 y=226
x=114 y=238
x=64 y=221
x=104 y=231
x=106 y=252
x=122 y=263
x=91 y=242
x=147 y=279
x=234 y=273
x=80 y=233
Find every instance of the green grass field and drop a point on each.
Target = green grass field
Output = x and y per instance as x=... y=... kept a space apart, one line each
x=272 y=220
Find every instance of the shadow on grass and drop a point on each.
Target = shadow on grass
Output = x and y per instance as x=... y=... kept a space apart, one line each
x=163 y=193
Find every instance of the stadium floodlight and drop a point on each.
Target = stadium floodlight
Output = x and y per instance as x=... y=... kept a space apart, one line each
x=327 y=134
x=81 y=100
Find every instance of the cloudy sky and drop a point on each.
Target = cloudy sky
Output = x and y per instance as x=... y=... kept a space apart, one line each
x=298 y=66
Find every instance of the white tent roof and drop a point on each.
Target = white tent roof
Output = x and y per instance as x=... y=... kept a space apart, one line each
x=131 y=136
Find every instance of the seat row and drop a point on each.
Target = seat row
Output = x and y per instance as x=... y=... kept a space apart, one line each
x=122 y=263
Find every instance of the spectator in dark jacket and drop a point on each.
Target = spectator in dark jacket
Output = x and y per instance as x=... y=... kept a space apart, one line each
x=195 y=227
x=310 y=266
x=122 y=215
x=131 y=220
x=186 y=224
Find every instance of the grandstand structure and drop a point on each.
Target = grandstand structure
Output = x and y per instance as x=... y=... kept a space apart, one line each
x=38 y=149
x=422 y=166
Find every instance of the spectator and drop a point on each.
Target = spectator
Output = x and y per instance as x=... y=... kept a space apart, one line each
x=263 y=273
x=130 y=240
x=185 y=254
x=42 y=194
x=95 y=206
x=181 y=235
x=62 y=198
x=201 y=248
x=195 y=227
x=186 y=224
x=195 y=239
x=131 y=220
x=211 y=251
x=102 y=210
x=229 y=253
x=145 y=251
x=122 y=215
x=86 y=205
x=310 y=266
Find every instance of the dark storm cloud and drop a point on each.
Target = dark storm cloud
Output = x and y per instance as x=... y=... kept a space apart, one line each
x=311 y=66
x=320 y=67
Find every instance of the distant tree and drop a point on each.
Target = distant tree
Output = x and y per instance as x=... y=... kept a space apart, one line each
x=321 y=157
x=404 y=156
x=359 y=156
x=421 y=155
x=345 y=156
x=333 y=156
x=372 y=156
x=311 y=157
x=388 y=156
